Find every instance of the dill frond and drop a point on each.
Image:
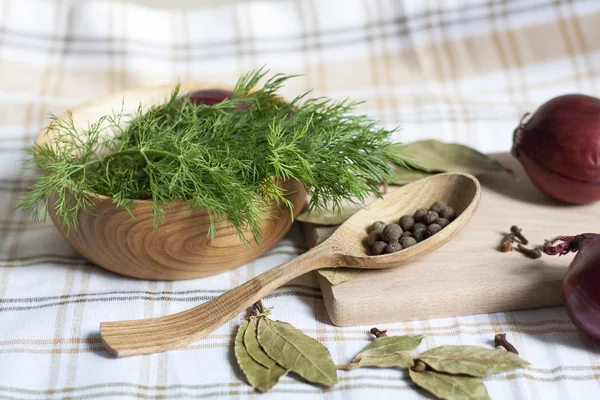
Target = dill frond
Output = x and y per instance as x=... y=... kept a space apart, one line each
x=224 y=158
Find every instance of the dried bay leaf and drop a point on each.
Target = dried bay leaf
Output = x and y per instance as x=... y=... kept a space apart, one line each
x=399 y=359
x=327 y=217
x=253 y=347
x=450 y=387
x=403 y=175
x=260 y=377
x=471 y=360
x=335 y=276
x=297 y=352
x=388 y=351
x=436 y=156
x=391 y=344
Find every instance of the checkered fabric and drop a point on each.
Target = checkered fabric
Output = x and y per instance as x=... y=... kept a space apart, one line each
x=456 y=70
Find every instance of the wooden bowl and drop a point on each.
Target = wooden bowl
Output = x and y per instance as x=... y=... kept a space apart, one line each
x=180 y=247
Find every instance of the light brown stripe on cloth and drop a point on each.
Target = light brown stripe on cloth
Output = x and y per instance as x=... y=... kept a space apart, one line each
x=307 y=68
x=74 y=260
x=374 y=70
x=563 y=29
x=580 y=39
x=144 y=374
x=324 y=334
x=317 y=34
x=346 y=383
x=387 y=57
x=517 y=59
x=76 y=326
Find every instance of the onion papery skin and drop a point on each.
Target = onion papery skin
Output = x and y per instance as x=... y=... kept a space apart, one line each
x=559 y=148
x=581 y=284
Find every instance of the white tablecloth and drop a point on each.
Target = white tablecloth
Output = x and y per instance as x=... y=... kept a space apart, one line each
x=455 y=70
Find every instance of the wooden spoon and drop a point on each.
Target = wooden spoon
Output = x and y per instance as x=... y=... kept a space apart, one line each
x=345 y=248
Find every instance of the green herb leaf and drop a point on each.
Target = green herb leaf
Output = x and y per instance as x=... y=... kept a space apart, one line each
x=260 y=377
x=450 y=387
x=436 y=156
x=471 y=360
x=388 y=351
x=224 y=158
x=391 y=344
x=297 y=352
x=253 y=347
x=400 y=359
x=327 y=217
x=335 y=276
x=403 y=176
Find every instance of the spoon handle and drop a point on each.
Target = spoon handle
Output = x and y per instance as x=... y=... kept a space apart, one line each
x=155 y=335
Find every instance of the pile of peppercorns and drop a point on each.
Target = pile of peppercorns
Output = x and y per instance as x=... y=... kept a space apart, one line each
x=410 y=229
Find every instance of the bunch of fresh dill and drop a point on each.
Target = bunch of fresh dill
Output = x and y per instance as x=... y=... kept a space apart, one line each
x=223 y=158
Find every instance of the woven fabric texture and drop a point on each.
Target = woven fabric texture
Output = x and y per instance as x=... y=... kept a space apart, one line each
x=462 y=71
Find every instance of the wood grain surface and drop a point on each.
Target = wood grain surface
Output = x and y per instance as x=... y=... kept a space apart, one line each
x=469 y=275
x=346 y=247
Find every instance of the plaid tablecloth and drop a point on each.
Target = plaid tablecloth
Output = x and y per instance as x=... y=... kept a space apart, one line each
x=455 y=70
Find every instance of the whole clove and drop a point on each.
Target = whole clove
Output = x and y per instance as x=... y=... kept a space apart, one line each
x=378 y=333
x=516 y=231
x=500 y=340
x=507 y=243
x=534 y=253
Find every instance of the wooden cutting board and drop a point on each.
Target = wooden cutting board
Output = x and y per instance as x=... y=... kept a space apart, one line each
x=469 y=275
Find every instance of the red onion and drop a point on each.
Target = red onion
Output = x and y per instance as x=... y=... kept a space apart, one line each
x=581 y=285
x=210 y=96
x=559 y=147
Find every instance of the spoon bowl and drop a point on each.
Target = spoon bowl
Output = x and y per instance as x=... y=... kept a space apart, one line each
x=460 y=191
x=345 y=248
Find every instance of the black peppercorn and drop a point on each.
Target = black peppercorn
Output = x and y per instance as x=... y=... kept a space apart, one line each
x=378 y=248
x=430 y=217
x=411 y=229
x=420 y=234
x=407 y=242
x=420 y=215
x=417 y=226
x=418 y=229
x=433 y=229
x=374 y=236
x=443 y=222
x=438 y=206
x=393 y=247
x=377 y=226
x=406 y=222
x=448 y=213
x=391 y=233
